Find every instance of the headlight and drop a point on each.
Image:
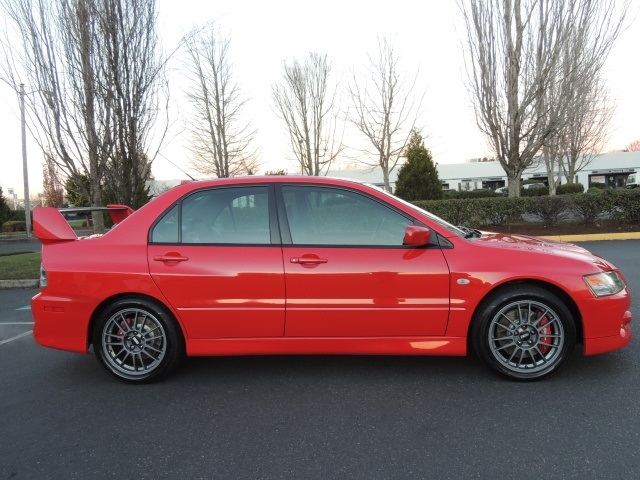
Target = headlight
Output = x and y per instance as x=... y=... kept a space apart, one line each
x=605 y=283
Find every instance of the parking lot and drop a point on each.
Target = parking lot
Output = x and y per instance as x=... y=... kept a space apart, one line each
x=62 y=416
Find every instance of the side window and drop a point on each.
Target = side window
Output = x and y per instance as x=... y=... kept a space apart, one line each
x=330 y=216
x=238 y=215
x=166 y=230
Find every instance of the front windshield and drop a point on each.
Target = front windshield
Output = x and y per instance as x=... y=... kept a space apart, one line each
x=431 y=216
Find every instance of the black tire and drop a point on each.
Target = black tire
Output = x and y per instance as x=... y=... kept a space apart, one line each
x=523 y=333
x=137 y=340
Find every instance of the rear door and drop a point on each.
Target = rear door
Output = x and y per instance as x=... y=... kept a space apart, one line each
x=216 y=257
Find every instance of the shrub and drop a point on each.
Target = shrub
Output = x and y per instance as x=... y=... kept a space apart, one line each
x=456 y=212
x=482 y=193
x=534 y=192
x=549 y=209
x=588 y=207
x=14 y=226
x=570 y=188
x=622 y=205
x=498 y=211
x=626 y=205
x=16 y=215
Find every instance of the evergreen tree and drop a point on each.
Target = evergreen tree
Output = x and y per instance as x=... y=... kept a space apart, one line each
x=5 y=211
x=418 y=177
x=75 y=193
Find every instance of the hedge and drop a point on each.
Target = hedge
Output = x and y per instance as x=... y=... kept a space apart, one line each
x=620 y=205
x=480 y=193
x=549 y=209
x=569 y=188
x=14 y=226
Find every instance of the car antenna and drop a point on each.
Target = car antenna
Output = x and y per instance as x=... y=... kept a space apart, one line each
x=190 y=177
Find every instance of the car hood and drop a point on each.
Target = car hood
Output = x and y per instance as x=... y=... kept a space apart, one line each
x=541 y=245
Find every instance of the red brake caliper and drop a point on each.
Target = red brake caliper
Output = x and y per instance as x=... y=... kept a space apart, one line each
x=124 y=324
x=545 y=331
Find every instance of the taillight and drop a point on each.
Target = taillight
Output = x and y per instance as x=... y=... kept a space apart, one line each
x=43 y=277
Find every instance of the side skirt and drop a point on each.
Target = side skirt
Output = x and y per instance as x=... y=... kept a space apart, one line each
x=454 y=346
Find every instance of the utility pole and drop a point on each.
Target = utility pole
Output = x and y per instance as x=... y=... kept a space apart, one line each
x=25 y=172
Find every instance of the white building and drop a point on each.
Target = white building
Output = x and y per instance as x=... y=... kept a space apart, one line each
x=611 y=169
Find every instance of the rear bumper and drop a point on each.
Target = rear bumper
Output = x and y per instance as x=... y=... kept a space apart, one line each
x=61 y=323
x=594 y=346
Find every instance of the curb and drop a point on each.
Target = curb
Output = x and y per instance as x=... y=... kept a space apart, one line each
x=594 y=237
x=9 y=284
x=10 y=239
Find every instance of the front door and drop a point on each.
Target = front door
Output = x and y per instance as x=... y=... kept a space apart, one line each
x=348 y=274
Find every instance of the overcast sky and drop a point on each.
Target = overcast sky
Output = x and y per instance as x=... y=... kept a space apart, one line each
x=264 y=34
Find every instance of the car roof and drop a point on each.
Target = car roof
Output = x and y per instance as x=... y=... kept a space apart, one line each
x=246 y=179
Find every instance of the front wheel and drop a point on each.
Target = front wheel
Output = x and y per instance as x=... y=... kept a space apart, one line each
x=137 y=341
x=524 y=333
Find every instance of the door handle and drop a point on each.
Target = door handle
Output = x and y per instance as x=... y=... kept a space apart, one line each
x=170 y=257
x=308 y=260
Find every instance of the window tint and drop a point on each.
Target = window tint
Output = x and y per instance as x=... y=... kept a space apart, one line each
x=227 y=215
x=330 y=216
x=166 y=230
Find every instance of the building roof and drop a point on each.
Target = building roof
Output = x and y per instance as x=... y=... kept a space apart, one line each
x=474 y=171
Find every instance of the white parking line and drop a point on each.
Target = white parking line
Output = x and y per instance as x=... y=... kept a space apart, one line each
x=16 y=323
x=26 y=307
x=16 y=337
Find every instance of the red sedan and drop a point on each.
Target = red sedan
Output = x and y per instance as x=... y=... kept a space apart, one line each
x=300 y=265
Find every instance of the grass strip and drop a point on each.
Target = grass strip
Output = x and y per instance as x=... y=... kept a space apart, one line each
x=20 y=267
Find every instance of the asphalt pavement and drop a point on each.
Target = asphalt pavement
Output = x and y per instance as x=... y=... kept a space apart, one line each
x=20 y=245
x=63 y=416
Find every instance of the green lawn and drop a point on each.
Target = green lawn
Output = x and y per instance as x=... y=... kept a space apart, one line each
x=78 y=223
x=23 y=266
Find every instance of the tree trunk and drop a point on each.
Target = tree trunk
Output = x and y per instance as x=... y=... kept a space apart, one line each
x=385 y=177
x=513 y=184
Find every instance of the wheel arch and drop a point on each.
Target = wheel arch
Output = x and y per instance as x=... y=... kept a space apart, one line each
x=551 y=288
x=132 y=295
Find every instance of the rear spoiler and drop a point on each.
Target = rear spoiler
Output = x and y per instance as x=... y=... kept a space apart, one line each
x=50 y=226
x=117 y=212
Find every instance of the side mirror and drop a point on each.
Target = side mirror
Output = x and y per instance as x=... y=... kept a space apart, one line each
x=416 y=236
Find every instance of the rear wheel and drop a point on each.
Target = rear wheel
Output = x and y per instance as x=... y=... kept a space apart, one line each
x=524 y=333
x=137 y=341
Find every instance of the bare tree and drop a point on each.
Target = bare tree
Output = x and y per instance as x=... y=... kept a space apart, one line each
x=221 y=140
x=585 y=131
x=513 y=51
x=57 y=56
x=384 y=109
x=526 y=60
x=633 y=146
x=92 y=65
x=590 y=36
x=305 y=102
x=133 y=89
x=51 y=183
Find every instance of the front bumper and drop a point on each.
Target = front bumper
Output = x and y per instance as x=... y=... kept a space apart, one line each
x=594 y=346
